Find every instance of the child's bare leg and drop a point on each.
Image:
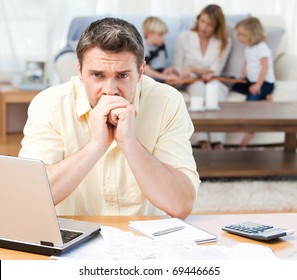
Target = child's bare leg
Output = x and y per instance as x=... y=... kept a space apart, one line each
x=246 y=139
x=205 y=145
x=269 y=97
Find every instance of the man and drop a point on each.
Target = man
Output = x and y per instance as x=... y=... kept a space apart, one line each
x=114 y=141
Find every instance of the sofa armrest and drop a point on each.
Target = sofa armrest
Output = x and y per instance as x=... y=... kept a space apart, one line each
x=285 y=91
x=66 y=66
x=286 y=67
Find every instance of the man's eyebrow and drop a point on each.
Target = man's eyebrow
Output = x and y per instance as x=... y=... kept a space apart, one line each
x=96 y=71
x=124 y=71
x=119 y=71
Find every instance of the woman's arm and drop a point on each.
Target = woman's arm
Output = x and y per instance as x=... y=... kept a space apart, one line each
x=219 y=64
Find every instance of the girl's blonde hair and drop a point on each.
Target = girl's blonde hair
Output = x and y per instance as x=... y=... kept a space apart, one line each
x=154 y=25
x=254 y=30
x=217 y=18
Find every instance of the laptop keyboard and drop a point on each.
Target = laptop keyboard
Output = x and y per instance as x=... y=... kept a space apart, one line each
x=69 y=235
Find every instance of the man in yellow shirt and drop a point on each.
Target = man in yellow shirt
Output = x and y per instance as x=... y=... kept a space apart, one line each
x=114 y=141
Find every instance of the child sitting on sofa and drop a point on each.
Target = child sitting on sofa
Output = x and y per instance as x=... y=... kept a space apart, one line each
x=258 y=66
x=157 y=64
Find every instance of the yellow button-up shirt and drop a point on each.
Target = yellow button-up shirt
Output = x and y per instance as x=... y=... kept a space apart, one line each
x=58 y=126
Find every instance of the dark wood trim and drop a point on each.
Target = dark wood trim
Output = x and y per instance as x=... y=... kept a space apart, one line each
x=245 y=163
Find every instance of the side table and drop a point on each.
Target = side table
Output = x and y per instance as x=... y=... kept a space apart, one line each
x=8 y=96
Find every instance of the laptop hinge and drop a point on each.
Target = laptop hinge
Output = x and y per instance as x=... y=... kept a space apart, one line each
x=46 y=243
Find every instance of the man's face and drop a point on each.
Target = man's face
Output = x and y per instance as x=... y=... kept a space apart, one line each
x=109 y=73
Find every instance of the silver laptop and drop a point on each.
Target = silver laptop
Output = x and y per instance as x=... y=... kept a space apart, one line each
x=28 y=220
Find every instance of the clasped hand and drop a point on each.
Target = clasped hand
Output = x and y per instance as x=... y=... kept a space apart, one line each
x=112 y=119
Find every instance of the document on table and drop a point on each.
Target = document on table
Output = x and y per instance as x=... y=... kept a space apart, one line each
x=171 y=229
x=115 y=244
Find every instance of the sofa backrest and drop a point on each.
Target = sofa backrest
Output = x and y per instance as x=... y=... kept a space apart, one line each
x=274 y=26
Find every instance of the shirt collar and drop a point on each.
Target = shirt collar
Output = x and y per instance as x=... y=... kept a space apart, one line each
x=137 y=97
x=82 y=102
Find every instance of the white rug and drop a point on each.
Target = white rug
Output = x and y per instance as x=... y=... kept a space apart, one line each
x=245 y=196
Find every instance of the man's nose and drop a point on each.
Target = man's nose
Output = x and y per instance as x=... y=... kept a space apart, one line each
x=110 y=87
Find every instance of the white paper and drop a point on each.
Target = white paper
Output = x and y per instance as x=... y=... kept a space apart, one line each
x=115 y=244
x=189 y=232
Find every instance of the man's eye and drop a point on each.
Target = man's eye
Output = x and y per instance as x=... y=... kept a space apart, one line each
x=123 y=75
x=98 y=75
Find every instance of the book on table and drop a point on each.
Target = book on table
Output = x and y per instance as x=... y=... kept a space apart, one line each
x=197 y=78
x=171 y=228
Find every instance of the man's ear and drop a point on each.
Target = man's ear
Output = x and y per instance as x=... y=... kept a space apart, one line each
x=79 y=68
x=141 y=70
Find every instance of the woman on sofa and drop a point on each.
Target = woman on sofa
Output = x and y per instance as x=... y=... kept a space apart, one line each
x=203 y=51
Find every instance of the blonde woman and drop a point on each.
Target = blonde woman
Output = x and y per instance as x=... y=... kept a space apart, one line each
x=203 y=51
x=258 y=67
x=156 y=57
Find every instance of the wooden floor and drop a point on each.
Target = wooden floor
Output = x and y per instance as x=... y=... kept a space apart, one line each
x=12 y=146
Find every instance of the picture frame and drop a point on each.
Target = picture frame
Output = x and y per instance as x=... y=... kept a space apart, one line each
x=34 y=75
x=34 y=72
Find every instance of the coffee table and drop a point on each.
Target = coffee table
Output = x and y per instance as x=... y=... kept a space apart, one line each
x=243 y=117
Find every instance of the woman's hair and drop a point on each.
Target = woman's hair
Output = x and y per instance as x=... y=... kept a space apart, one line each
x=154 y=25
x=217 y=18
x=254 y=30
x=111 y=35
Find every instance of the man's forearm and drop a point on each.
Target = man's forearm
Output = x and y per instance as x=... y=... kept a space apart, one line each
x=66 y=175
x=167 y=188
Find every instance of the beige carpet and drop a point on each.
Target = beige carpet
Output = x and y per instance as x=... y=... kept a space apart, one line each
x=247 y=196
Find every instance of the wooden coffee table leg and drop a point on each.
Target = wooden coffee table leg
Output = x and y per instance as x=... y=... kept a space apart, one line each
x=290 y=142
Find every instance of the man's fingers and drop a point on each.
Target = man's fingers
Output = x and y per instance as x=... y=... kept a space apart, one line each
x=112 y=119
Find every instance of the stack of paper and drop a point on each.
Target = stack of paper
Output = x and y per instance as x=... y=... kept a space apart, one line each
x=115 y=244
x=173 y=228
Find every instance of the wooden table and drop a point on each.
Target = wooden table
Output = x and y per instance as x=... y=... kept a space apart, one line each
x=8 y=97
x=283 y=247
x=244 y=117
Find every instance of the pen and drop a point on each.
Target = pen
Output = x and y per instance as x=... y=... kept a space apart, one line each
x=169 y=230
x=289 y=231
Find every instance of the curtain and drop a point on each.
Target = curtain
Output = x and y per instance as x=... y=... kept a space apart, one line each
x=37 y=30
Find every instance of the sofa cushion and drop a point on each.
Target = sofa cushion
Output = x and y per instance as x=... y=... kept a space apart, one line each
x=274 y=37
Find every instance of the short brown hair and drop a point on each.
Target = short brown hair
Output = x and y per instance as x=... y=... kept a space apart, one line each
x=254 y=30
x=111 y=35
